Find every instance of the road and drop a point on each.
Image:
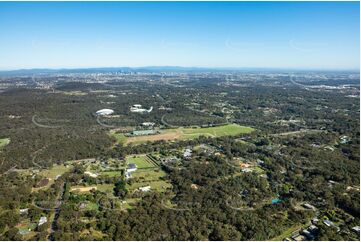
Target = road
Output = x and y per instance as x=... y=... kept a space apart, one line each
x=59 y=202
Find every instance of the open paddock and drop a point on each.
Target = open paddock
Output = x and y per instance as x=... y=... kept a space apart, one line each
x=190 y=133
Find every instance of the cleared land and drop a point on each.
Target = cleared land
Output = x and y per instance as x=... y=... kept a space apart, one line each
x=4 y=142
x=107 y=188
x=120 y=138
x=51 y=174
x=185 y=133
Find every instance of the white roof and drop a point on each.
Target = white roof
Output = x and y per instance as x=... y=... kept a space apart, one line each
x=42 y=220
x=104 y=111
x=144 y=189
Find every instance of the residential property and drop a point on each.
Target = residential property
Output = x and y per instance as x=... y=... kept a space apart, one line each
x=131 y=168
x=128 y=175
x=246 y=170
x=144 y=189
x=94 y=175
x=314 y=221
x=23 y=211
x=187 y=153
x=328 y=223
x=42 y=221
x=344 y=139
x=148 y=124
x=309 y=206
x=356 y=229
x=169 y=160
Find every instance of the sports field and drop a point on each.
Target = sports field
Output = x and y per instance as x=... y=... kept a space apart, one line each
x=190 y=133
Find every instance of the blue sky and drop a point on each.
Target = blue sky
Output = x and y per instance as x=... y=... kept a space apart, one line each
x=316 y=35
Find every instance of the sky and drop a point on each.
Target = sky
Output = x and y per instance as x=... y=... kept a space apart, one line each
x=301 y=35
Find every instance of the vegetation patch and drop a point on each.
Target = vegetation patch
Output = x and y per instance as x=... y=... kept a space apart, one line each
x=4 y=142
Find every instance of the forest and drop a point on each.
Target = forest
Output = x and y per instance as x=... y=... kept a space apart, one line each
x=304 y=150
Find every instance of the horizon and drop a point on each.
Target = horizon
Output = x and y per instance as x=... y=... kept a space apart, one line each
x=213 y=35
x=185 y=67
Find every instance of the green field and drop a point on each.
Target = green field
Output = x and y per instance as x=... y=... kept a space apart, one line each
x=4 y=142
x=147 y=174
x=107 y=188
x=186 y=133
x=225 y=130
x=120 y=138
x=54 y=171
x=140 y=160
x=111 y=173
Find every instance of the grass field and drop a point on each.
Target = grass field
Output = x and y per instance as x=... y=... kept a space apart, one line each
x=111 y=173
x=4 y=142
x=187 y=133
x=107 y=188
x=140 y=160
x=147 y=174
x=54 y=171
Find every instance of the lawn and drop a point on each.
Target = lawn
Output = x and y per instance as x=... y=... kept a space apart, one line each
x=140 y=160
x=108 y=188
x=111 y=173
x=92 y=206
x=4 y=142
x=148 y=175
x=189 y=133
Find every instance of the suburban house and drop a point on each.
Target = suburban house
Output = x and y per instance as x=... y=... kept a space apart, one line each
x=131 y=167
x=42 y=221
